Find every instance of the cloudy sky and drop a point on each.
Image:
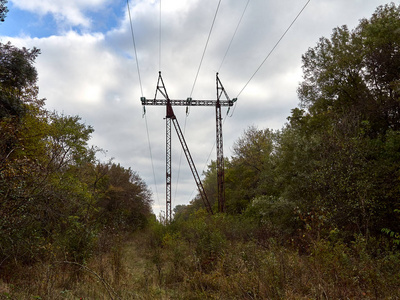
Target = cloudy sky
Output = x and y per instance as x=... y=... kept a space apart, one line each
x=88 y=68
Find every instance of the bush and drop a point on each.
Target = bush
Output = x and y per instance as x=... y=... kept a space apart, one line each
x=275 y=216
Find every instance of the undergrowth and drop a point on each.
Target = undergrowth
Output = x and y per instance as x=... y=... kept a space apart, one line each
x=214 y=258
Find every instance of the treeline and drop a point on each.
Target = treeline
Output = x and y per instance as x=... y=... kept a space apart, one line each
x=313 y=209
x=333 y=171
x=57 y=200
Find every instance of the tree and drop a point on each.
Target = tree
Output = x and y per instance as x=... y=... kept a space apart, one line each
x=356 y=74
x=336 y=163
x=249 y=173
x=55 y=196
x=18 y=78
x=3 y=10
x=125 y=201
x=337 y=152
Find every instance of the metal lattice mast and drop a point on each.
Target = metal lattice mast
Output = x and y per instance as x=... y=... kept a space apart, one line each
x=220 y=149
x=168 y=211
x=170 y=116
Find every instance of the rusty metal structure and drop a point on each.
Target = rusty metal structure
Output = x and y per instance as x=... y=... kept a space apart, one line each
x=171 y=118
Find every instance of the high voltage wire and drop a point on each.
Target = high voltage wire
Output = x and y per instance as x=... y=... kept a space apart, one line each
x=201 y=61
x=273 y=49
x=134 y=46
x=234 y=34
x=141 y=90
x=269 y=54
x=222 y=62
x=159 y=41
x=205 y=48
x=151 y=158
x=195 y=80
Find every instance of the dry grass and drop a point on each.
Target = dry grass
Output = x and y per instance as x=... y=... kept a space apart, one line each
x=138 y=268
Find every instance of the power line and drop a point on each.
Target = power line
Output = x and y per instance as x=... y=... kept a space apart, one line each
x=234 y=34
x=269 y=54
x=159 y=41
x=198 y=71
x=134 y=46
x=159 y=64
x=151 y=158
x=205 y=48
x=276 y=45
x=141 y=90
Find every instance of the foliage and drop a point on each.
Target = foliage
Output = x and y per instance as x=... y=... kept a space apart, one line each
x=125 y=200
x=18 y=78
x=3 y=10
x=275 y=216
x=164 y=261
x=337 y=159
x=394 y=235
x=350 y=100
x=312 y=209
x=56 y=198
x=250 y=172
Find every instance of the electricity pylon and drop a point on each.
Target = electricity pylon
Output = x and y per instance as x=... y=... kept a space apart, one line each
x=170 y=116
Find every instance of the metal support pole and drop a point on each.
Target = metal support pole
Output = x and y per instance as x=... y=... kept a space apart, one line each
x=220 y=162
x=220 y=149
x=169 y=115
x=168 y=211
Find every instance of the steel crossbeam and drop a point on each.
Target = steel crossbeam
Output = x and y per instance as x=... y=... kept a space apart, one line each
x=186 y=102
x=170 y=116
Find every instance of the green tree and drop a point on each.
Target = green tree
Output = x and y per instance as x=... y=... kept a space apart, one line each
x=3 y=10
x=18 y=78
x=250 y=171
x=355 y=75
x=338 y=151
x=125 y=201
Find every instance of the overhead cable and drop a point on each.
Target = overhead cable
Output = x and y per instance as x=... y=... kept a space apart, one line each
x=134 y=46
x=234 y=34
x=205 y=48
x=159 y=41
x=276 y=45
x=201 y=61
x=141 y=90
x=151 y=157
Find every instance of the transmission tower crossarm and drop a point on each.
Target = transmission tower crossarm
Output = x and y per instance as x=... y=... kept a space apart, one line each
x=187 y=102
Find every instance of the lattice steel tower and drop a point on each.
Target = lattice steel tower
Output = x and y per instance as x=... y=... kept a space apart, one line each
x=170 y=116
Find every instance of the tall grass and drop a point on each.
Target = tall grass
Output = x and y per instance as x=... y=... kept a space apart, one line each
x=215 y=258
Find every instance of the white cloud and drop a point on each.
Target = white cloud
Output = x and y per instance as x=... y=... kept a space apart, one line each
x=71 y=12
x=94 y=75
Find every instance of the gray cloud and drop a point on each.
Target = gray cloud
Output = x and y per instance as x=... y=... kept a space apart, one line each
x=71 y=12
x=95 y=76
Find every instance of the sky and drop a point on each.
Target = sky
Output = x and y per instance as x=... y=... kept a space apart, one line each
x=88 y=67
